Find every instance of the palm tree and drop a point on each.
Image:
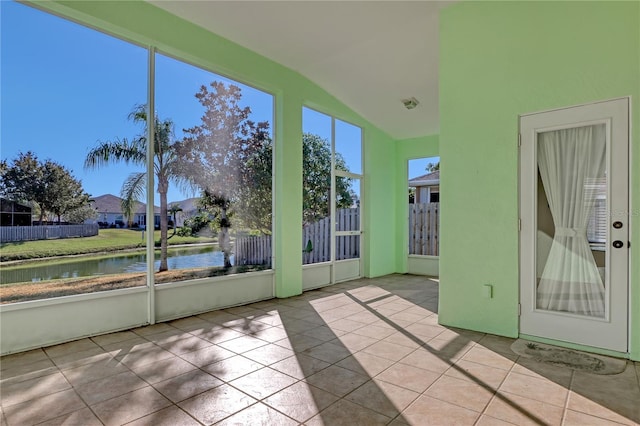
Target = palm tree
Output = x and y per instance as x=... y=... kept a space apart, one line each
x=174 y=209
x=134 y=151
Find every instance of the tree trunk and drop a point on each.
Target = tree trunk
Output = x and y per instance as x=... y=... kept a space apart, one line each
x=162 y=190
x=223 y=237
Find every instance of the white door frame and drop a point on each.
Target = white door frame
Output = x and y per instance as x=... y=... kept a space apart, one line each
x=612 y=331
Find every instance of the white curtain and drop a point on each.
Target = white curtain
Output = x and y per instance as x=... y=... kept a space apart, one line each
x=567 y=160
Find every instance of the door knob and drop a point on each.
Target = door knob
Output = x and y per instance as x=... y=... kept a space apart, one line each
x=618 y=244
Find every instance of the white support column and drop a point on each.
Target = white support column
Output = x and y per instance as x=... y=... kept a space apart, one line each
x=150 y=222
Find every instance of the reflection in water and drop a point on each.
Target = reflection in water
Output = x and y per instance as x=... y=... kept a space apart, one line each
x=179 y=258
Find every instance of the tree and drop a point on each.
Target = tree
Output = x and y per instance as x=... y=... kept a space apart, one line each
x=63 y=193
x=173 y=210
x=316 y=184
x=49 y=185
x=219 y=152
x=23 y=180
x=316 y=179
x=432 y=167
x=81 y=214
x=134 y=151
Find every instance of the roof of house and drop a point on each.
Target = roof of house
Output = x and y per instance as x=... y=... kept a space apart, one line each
x=109 y=203
x=432 y=178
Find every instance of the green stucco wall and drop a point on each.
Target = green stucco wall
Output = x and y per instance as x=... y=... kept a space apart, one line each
x=146 y=25
x=499 y=60
x=408 y=149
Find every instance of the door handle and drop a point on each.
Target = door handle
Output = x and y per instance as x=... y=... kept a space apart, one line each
x=618 y=244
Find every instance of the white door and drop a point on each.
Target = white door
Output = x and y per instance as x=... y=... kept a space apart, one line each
x=574 y=212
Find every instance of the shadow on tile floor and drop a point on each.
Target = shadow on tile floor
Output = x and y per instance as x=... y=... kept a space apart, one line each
x=365 y=352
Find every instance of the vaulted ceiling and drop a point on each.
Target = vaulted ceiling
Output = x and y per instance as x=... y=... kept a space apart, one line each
x=369 y=54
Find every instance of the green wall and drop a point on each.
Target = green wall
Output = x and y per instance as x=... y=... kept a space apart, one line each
x=408 y=149
x=498 y=60
x=148 y=25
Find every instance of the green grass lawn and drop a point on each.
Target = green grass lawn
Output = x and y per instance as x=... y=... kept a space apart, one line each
x=107 y=240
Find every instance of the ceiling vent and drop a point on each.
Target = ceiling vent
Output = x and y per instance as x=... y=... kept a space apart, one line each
x=410 y=103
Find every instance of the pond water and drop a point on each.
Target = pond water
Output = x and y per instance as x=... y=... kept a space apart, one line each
x=178 y=258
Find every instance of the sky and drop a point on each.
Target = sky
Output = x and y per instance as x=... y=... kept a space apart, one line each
x=65 y=88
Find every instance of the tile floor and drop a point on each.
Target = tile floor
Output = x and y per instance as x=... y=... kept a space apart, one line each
x=366 y=352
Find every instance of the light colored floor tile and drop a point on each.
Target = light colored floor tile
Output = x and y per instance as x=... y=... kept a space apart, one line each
x=268 y=354
x=20 y=373
x=430 y=411
x=70 y=348
x=354 y=342
x=232 y=368
x=262 y=383
x=574 y=418
x=120 y=336
x=301 y=401
x=426 y=360
x=242 y=344
x=163 y=369
x=299 y=342
x=182 y=346
x=484 y=356
x=187 y=385
x=403 y=339
x=337 y=380
x=559 y=375
x=258 y=415
x=616 y=408
x=22 y=359
x=218 y=334
x=346 y=325
x=28 y=390
x=94 y=371
x=153 y=329
x=328 y=352
x=207 y=356
x=271 y=334
x=170 y=416
x=43 y=409
x=300 y=366
x=131 y=406
x=323 y=333
x=383 y=397
x=451 y=349
x=217 y=404
x=485 y=420
x=365 y=364
x=109 y=387
x=464 y=393
x=388 y=350
x=83 y=417
x=535 y=388
x=76 y=359
x=477 y=373
x=409 y=377
x=346 y=413
x=144 y=356
x=523 y=411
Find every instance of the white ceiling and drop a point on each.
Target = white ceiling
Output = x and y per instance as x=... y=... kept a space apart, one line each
x=368 y=54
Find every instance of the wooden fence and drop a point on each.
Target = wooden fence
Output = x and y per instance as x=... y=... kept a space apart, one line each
x=47 y=232
x=424 y=228
x=257 y=250
x=252 y=251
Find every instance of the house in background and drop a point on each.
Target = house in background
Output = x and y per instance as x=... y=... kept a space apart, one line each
x=109 y=210
x=427 y=187
x=14 y=214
